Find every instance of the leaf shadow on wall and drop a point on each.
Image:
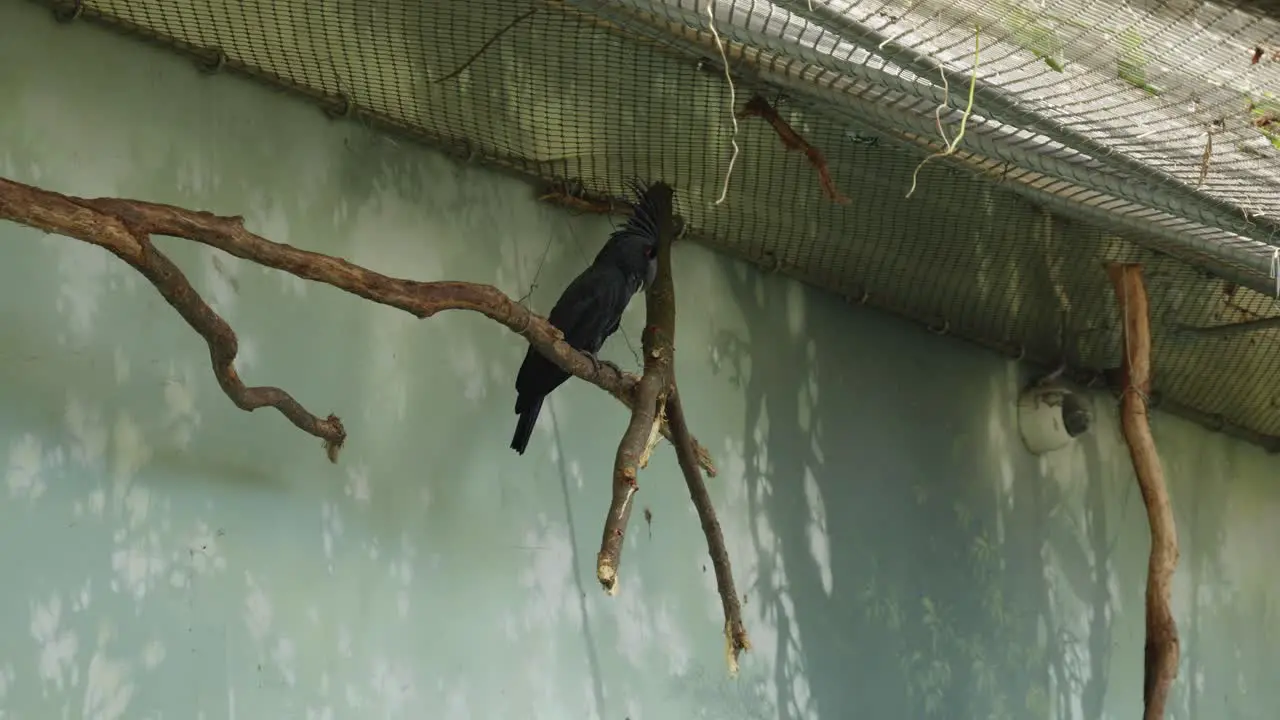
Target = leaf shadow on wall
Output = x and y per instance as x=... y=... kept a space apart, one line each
x=933 y=594
x=1229 y=642
x=581 y=585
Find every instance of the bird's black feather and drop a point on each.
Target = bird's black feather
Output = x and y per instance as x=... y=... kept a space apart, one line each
x=590 y=309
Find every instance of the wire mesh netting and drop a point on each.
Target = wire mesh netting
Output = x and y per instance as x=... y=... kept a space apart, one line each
x=1075 y=133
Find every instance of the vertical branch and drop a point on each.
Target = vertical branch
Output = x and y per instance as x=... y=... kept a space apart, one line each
x=1161 y=652
x=735 y=632
x=651 y=396
x=656 y=396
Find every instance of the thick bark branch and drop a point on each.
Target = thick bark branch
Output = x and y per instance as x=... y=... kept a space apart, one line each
x=735 y=632
x=657 y=397
x=1162 y=646
x=651 y=396
x=123 y=227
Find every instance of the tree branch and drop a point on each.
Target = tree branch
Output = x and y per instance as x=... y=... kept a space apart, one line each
x=651 y=396
x=123 y=227
x=735 y=632
x=657 y=397
x=757 y=106
x=127 y=236
x=1162 y=647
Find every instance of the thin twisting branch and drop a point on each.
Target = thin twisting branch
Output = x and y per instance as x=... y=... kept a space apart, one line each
x=651 y=395
x=223 y=345
x=127 y=235
x=123 y=227
x=757 y=106
x=476 y=55
x=735 y=633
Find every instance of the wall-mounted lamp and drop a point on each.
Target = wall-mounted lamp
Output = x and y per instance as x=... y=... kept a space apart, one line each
x=1050 y=416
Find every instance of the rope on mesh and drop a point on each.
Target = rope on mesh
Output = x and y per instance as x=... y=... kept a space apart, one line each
x=950 y=146
x=67 y=12
x=733 y=98
x=339 y=107
x=212 y=60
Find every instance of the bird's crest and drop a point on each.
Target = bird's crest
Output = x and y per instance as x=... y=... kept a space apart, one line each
x=646 y=212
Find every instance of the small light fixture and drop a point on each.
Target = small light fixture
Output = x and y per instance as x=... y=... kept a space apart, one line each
x=1051 y=416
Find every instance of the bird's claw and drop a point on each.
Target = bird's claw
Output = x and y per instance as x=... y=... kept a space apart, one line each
x=598 y=363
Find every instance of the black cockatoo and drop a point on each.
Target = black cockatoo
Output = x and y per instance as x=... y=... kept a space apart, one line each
x=590 y=308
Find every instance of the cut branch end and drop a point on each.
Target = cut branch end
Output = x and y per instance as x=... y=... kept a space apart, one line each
x=607 y=574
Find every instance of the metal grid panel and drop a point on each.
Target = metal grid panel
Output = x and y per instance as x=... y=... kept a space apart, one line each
x=1087 y=143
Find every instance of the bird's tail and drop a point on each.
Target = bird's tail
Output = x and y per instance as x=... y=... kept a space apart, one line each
x=524 y=426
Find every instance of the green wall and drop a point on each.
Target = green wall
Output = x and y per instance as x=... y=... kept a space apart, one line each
x=165 y=555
